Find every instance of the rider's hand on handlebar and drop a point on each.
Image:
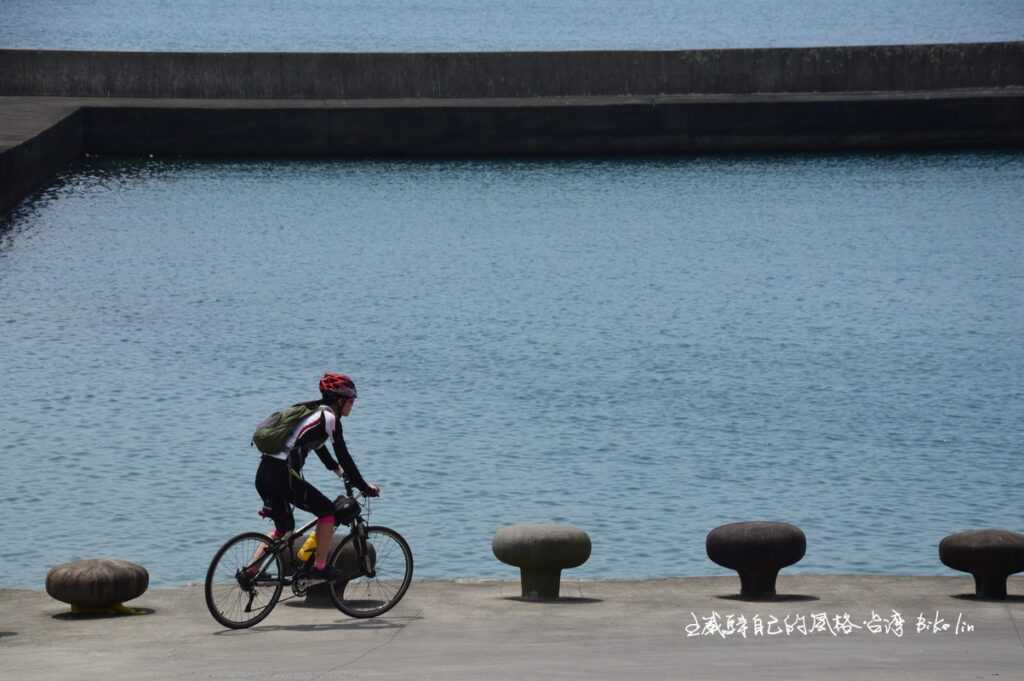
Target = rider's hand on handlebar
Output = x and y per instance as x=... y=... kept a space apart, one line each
x=372 y=490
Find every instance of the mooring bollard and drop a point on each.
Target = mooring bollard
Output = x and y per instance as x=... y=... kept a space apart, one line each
x=319 y=594
x=97 y=584
x=541 y=552
x=989 y=555
x=757 y=551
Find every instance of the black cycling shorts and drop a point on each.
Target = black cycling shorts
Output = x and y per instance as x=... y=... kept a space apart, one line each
x=280 y=489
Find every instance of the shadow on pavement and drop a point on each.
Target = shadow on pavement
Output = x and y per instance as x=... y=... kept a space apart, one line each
x=981 y=599
x=783 y=598
x=562 y=600
x=381 y=623
x=8 y=633
x=315 y=604
x=105 y=615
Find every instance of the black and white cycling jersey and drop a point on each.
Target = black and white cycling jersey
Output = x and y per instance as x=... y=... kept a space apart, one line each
x=311 y=434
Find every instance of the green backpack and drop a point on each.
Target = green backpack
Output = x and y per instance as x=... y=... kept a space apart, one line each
x=272 y=432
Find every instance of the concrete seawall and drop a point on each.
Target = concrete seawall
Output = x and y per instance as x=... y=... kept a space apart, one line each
x=36 y=142
x=567 y=103
x=566 y=126
x=510 y=74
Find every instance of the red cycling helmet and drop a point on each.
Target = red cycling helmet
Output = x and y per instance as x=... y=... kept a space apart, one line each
x=337 y=385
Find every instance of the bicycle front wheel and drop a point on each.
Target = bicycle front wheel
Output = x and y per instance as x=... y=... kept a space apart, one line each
x=244 y=581
x=377 y=570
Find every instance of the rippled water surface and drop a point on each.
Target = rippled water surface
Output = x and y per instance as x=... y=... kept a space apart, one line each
x=643 y=348
x=460 y=25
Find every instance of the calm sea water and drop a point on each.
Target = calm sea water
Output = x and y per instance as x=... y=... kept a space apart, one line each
x=643 y=348
x=457 y=25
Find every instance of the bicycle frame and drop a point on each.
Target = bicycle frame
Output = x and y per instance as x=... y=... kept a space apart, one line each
x=281 y=544
x=241 y=574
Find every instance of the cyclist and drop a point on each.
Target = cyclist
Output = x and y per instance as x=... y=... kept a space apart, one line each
x=279 y=480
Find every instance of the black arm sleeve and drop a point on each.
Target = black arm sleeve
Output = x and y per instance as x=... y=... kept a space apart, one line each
x=319 y=433
x=325 y=457
x=345 y=459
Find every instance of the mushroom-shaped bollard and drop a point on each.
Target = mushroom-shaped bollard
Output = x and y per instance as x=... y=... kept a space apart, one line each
x=990 y=555
x=97 y=584
x=346 y=566
x=757 y=551
x=541 y=552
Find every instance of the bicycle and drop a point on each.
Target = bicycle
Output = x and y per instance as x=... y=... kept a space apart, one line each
x=249 y=572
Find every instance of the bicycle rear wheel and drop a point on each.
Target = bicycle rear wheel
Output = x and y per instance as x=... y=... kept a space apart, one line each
x=241 y=590
x=375 y=579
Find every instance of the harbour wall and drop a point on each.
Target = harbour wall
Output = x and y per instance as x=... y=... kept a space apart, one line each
x=33 y=160
x=509 y=74
x=475 y=104
x=573 y=127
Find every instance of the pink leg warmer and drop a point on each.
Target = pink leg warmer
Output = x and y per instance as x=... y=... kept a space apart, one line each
x=324 y=520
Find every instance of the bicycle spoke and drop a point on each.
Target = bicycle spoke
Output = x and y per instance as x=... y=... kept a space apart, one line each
x=391 y=560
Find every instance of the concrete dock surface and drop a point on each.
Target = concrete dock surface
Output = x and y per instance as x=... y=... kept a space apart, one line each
x=821 y=627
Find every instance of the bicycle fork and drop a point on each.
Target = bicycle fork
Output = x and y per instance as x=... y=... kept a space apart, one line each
x=362 y=550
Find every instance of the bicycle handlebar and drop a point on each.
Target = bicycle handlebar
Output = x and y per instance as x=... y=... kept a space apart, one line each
x=350 y=490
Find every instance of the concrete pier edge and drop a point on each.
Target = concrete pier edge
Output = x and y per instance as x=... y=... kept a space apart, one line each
x=485 y=104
